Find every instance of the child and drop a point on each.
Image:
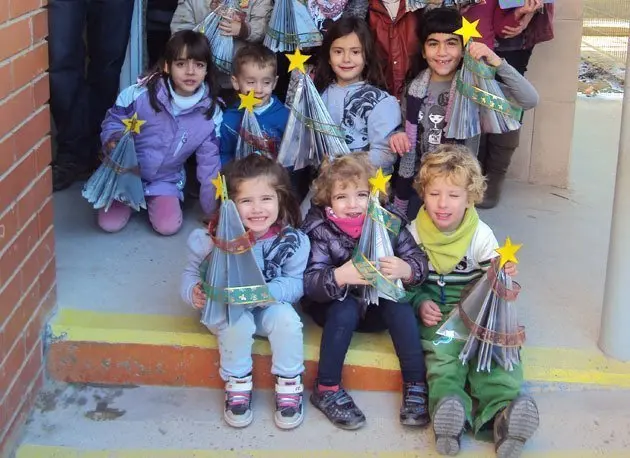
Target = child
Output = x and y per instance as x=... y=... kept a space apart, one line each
x=394 y=30
x=179 y=107
x=260 y=189
x=427 y=99
x=460 y=248
x=333 y=225
x=254 y=68
x=349 y=75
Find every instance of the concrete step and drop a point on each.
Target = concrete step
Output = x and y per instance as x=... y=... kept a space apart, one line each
x=125 y=349
x=164 y=422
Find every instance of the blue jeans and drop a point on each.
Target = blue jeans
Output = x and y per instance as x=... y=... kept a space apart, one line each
x=343 y=317
x=78 y=102
x=280 y=323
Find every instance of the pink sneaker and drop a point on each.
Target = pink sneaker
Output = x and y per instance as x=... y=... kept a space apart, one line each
x=165 y=214
x=115 y=218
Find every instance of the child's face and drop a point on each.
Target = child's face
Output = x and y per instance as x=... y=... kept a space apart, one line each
x=187 y=75
x=349 y=199
x=443 y=53
x=253 y=77
x=257 y=205
x=446 y=203
x=346 y=59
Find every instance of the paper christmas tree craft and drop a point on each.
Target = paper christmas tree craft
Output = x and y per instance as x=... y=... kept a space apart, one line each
x=486 y=318
x=310 y=134
x=291 y=27
x=506 y=4
x=118 y=177
x=479 y=104
x=250 y=137
x=222 y=46
x=375 y=243
x=232 y=281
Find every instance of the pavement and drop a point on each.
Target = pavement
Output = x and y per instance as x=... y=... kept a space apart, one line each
x=123 y=289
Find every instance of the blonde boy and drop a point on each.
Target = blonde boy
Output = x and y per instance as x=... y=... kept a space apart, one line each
x=460 y=248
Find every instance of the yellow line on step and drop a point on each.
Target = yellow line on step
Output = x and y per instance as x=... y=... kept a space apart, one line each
x=40 y=451
x=558 y=365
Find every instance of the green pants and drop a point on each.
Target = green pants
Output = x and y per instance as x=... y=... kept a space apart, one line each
x=447 y=376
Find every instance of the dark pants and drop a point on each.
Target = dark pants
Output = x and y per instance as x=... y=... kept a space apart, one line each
x=78 y=102
x=341 y=318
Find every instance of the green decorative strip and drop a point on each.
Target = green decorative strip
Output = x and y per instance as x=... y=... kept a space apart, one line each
x=243 y=295
x=479 y=68
x=488 y=100
x=385 y=218
x=374 y=277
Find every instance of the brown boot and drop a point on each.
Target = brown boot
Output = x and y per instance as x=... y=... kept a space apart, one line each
x=493 y=193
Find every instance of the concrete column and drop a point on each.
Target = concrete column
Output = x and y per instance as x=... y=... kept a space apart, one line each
x=545 y=150
x=614 y=335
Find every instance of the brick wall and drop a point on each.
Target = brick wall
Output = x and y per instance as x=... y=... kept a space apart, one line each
x=27 y=267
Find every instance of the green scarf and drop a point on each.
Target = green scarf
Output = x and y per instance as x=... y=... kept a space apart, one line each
x=446 y=250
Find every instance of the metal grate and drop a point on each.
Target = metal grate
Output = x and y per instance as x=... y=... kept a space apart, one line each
x=606 y=28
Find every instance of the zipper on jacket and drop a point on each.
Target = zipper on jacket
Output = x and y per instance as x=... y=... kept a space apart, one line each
x=181 y=143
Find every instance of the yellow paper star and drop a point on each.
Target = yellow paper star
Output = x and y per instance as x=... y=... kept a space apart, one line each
x=218 y=185
x=297 y=61
x=133 y=124
x=379 y=181
x=248 y=101
x=508 y=252
x=468 y=30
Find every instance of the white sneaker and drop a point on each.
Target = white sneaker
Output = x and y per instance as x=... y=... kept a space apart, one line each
x=289 y=405
x=238 y=402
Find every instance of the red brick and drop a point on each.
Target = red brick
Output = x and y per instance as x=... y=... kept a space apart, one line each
x=20 y=7
x=45 y=217
x=47 y=249
x=34 y=328
x=14 y=37
x=19 y=392
x=43 y=153
x=15 y=110
x=34 y=198
x=9 y=226
x=29 y=65
x=42 y=90
x=40 y=26
x=14 y=325
x=10 y=296
x=13 y=434
x=7 y=157
x=17 y=251
x=14 y=182
x=31 y=132
x=6 y=80
x=11 y=366
x=4 y=11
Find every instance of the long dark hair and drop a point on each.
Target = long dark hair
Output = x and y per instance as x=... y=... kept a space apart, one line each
x=185 y=44
x=437 y=20
x=257 y=165
x=372 y=72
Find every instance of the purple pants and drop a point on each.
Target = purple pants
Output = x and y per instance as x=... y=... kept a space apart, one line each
x=165 y=214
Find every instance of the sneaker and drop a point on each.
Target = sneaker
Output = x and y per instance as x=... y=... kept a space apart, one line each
x=448 y=425
x=339 y=407
x=238 y=402
x=289 y=402
x=414 y=410
x=514 y=425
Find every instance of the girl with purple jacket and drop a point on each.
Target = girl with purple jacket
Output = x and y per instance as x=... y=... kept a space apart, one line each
x=333 y=226
x=178 y=105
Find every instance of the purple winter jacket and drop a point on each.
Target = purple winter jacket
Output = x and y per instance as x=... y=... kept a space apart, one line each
x=331 y=247
x=166 y=141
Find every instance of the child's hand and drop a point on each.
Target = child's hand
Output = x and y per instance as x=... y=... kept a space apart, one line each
x=199 y=298
x=530 y=7
x=430 y=313
x=395 y=268
x=347 y=274
x=510 y=269
x=231 y=27
x=479 y=50
x=399 y=143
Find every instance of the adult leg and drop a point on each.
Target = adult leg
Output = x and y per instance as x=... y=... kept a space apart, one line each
x=68 y=90
x=108 y=30
x=499 y=150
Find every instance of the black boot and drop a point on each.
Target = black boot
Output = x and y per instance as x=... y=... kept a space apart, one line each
x=493 y=192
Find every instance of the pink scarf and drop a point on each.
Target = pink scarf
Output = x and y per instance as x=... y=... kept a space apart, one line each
x=350 y=226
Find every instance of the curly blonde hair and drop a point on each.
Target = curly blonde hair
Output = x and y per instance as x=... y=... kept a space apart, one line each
x=351 y=168
x=456 y=163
